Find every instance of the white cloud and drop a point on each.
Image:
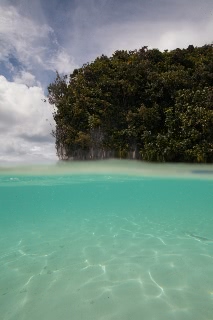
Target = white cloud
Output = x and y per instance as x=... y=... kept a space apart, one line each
x=25 y=123
x=29 y=49
x=161 y=35
x=21 y=36
x=62 y=62
x=34 y=45
x=182 y=35
x=26 y=78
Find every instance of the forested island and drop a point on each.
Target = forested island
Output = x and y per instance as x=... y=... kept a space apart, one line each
x=142 y=104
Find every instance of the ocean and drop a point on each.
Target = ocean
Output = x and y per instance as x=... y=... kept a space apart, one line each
x=106 y=240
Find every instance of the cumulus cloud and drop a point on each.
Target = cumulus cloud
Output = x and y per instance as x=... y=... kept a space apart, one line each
x=26 y=123
x=29 y=50
x=39 y=37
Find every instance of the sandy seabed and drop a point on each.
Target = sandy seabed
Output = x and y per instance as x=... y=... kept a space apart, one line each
x=107 y=250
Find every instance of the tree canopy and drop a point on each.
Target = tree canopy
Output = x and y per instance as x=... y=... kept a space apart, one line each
x=142 y=104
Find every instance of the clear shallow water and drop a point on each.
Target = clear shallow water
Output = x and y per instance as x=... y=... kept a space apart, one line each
x=110 y=241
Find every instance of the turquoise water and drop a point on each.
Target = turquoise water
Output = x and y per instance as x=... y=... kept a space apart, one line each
x=114 y=241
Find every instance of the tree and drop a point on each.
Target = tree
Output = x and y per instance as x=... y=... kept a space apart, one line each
x=144 y=104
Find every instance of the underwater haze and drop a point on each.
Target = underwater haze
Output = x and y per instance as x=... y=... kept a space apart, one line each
x=106 y=240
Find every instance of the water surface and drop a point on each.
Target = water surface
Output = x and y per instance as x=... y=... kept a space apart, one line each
x=106 y=240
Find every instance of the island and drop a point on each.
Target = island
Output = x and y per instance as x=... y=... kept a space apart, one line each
x=142 y=104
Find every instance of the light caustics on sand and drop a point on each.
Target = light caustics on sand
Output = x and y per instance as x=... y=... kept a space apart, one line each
x=106 y=246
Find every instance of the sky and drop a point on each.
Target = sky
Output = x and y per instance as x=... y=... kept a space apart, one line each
x=38 y=37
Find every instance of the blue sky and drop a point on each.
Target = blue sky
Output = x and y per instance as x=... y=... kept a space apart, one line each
x=40 y=36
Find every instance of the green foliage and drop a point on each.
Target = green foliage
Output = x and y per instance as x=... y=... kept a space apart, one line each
x=144 y=104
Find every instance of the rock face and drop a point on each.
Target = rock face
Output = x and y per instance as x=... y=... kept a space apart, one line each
x=96 y=154
x=94 y=151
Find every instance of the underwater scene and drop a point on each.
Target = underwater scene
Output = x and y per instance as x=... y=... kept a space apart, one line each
x=106 y=240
